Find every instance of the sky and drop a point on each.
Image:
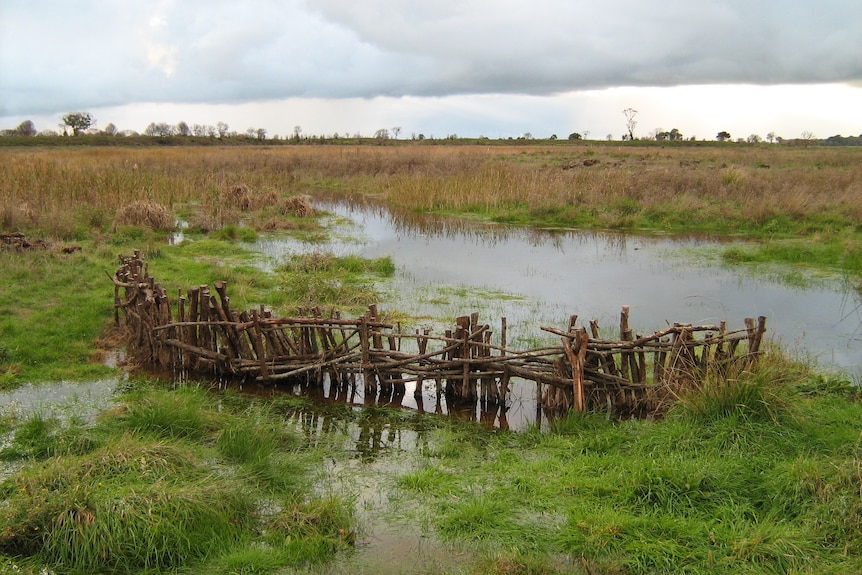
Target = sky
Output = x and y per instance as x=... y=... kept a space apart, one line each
x=495 y=68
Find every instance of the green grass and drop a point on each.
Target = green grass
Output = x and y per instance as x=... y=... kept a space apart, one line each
x=170 y=480
x=55 y=307
x=761 y=474
x=831 y=254
x=52 y=310
x=324 y=279
x=232 y=232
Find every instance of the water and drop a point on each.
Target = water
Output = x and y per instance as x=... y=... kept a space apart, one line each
x=448 y=267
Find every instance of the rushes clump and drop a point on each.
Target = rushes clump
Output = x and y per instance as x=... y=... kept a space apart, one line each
x=298 y=206
x=756 y=394
x=144 y=213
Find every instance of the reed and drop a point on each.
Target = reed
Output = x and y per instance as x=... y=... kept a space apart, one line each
x=718 y=188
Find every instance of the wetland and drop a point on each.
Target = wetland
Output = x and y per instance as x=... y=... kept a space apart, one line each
x=756 y=472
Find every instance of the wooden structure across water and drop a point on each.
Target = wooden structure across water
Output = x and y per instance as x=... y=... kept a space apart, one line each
x=634 y=375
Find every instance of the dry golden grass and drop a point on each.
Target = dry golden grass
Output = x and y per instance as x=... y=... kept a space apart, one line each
x=144 y=213
x=298 y=206
x=62 y=191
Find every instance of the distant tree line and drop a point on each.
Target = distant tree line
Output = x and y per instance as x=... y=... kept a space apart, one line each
x=83 y=123
x=843 y=141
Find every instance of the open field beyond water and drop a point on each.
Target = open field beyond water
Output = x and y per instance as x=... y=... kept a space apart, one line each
x=764 y=190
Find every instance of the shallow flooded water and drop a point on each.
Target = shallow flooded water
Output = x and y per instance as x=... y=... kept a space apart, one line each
x=448 y=267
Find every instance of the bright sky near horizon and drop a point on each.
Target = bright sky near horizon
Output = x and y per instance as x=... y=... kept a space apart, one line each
x=496 y=68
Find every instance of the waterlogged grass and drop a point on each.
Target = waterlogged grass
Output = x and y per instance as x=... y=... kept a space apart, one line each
x=167 y=480
x=323 y=279
x=759 y=474
x=55 y=308
x=829 y=254
x=52 y=311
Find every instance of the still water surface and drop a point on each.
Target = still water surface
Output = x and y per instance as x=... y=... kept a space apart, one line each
x=448 y=267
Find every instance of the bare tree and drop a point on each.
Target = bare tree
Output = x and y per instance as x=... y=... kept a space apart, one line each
x=183 y=129
x=382 y=134
x=297 y=132
x=754 y=139
x=111 y=129
x=222 y=129
x=261 y=134
x=770 y=137
x=162 y=129
x=631 y=123
x=395 y=131
x=199 y=130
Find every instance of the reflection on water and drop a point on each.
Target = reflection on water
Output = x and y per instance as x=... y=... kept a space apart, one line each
x=446 y=267
x=520 y=410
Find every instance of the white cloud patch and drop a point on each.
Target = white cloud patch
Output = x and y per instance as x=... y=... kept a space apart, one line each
x=158 y=22
x=162 y=58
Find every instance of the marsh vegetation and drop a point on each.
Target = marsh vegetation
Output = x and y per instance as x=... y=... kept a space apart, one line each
x=758 y=471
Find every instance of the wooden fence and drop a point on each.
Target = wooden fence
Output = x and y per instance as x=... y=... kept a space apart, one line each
x=200 y=334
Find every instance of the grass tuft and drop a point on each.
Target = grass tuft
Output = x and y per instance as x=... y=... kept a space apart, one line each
x=144 y=213
x=756 y=394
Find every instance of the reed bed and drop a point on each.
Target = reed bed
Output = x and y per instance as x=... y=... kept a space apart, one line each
x=719 y=188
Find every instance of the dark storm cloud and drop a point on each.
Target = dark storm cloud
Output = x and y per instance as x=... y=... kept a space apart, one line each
x=65 y=55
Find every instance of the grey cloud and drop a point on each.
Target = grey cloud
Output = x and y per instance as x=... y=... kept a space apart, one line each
x=56 y=56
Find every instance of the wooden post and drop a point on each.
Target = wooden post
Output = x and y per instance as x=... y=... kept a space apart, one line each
x=258 y=345
x=625 y=335
x=577 y=355
x=367 y=373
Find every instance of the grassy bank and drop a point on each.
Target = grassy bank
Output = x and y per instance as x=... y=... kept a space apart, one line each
x=56 y=318
x=167 y=481
x=784 y=194
x=717 y=487
x=761 y=473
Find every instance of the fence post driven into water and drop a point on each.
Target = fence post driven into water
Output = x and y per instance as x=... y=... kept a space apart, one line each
x=207 y=337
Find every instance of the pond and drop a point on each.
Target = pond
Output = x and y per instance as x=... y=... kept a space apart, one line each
x=448 y=267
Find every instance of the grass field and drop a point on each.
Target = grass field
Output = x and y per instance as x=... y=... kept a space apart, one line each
x=790 y=196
